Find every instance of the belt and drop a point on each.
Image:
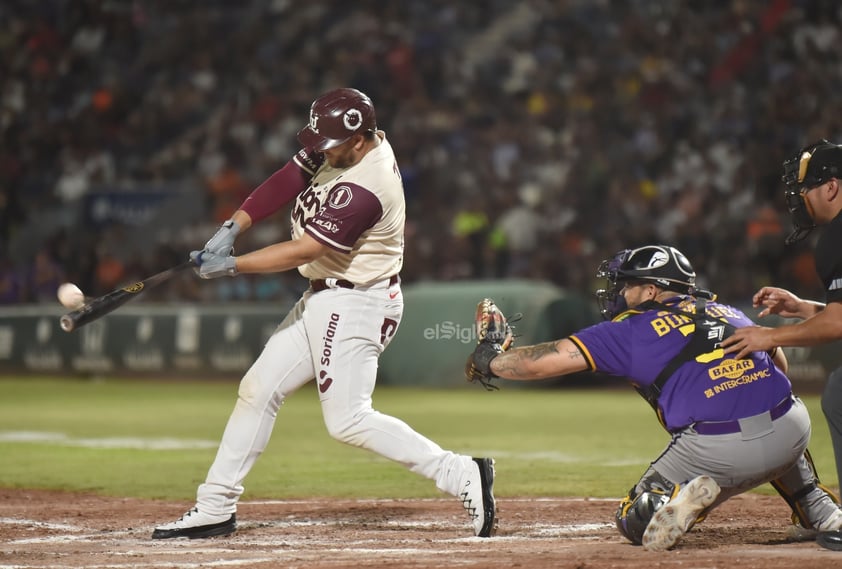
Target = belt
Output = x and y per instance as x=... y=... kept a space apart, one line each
x=731 y=427
x=318 y=285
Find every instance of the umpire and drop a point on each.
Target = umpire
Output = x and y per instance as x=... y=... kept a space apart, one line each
x=734 y=424
x=813 y=181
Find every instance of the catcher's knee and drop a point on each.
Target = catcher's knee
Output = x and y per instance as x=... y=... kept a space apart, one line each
x=636 y=510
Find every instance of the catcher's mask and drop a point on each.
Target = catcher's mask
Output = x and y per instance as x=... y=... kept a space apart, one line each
x=662 y=265
x=335 y=117
x=814 y=165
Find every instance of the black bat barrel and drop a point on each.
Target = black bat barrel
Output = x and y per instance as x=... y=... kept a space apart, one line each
x=102 y=305
x=99 y=307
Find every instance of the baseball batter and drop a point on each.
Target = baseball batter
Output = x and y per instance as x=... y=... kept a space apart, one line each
x=813 y=179
x=734 y=423
x=347 y=239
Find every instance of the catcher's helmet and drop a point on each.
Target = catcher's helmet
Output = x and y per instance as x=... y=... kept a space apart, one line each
x=335 y=117
x=814 y=165
x=662 y=265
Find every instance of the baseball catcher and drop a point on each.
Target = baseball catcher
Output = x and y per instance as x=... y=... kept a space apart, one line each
x=663 y=335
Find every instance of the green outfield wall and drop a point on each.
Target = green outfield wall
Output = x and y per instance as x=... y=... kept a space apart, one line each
x=437 y=332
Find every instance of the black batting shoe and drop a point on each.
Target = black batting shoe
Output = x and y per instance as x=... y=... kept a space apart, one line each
x=477 y=495
x=196 y=525
x=830 y=540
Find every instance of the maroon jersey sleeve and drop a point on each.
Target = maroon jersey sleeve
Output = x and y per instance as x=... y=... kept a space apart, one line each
x=282 y=186
x=350 y=211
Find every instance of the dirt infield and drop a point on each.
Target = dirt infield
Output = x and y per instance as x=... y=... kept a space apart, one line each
x=62 y=530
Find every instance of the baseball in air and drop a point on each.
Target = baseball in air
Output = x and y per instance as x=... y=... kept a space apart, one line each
x=70 y=296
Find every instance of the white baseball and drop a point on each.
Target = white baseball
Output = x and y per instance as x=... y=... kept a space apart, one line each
x=70 y=296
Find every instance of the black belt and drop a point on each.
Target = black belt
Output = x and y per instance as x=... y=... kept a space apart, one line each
x=318 y=285
x=730 y=427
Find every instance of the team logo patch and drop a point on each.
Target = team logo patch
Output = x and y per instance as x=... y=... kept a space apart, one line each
x=352 y=119
x=324 y=381
x=659 y=259
x=340 y=197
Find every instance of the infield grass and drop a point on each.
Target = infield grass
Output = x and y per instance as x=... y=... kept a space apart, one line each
x=156 y=439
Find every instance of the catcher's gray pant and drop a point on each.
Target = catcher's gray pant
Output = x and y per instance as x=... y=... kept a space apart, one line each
x=765 y=450
x=335 y=336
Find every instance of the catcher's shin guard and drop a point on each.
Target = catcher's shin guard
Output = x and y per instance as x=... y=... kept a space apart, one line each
x=797 y=484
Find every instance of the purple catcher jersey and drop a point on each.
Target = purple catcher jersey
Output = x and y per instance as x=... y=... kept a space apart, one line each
x=712 y=387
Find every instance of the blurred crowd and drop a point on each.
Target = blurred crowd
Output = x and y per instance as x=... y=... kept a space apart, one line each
x=535 y=138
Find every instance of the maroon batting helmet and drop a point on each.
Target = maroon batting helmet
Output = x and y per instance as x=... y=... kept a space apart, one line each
x=335 y=117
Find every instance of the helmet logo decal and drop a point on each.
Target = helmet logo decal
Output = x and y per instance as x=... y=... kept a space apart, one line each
x=802 y=166
x=340 y=197
x=352 y=119
x=314 y=121
x=659 y=259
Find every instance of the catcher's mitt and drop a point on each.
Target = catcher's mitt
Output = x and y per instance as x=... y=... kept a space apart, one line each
x=494 y=336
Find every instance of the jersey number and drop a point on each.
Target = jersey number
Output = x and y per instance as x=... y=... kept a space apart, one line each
x=716 y=354
x=306 y=206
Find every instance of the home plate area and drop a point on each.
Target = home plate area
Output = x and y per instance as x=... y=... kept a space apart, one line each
x=55 y=530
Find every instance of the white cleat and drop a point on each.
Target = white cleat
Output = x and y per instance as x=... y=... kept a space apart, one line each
x=195 y=525
x=672 y=521
x=477 y=495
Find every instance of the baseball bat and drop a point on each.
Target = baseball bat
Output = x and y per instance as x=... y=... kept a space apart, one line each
x=102 y=305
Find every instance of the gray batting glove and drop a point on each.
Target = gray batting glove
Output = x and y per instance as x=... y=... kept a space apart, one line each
x=212 y=266
x=222 y=242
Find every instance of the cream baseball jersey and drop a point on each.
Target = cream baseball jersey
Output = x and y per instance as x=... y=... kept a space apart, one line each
x=358 y=212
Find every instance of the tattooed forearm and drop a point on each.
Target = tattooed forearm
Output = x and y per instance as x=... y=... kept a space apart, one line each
x=517 y=362
x=574 y=354
x=537 y=351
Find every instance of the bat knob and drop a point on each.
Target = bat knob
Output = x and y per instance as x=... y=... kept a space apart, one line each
x=67 y=323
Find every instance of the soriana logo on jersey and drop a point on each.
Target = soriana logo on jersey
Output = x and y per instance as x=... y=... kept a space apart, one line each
x=340 y=197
